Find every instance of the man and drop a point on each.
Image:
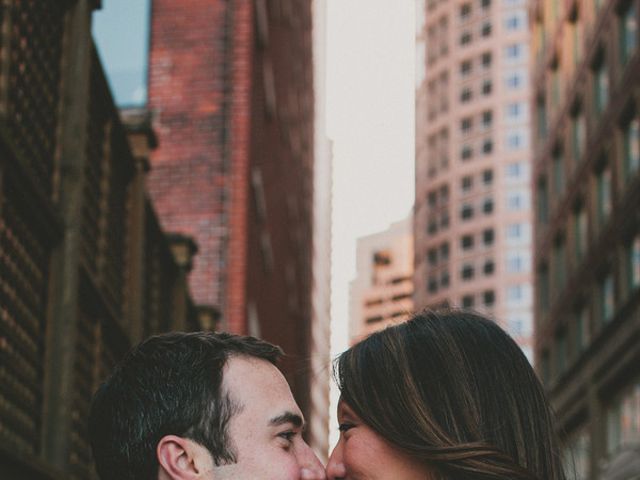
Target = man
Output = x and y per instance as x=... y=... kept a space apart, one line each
x=188 y=406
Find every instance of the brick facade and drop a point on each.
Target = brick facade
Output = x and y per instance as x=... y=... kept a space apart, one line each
x=231 y=87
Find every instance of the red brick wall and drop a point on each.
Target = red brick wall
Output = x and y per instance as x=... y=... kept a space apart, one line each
x=282 y=151
x=186 y=94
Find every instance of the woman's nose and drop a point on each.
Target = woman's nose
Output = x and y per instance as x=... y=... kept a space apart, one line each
x=335 y=467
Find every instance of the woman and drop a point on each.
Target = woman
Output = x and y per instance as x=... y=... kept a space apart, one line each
x=444 y=396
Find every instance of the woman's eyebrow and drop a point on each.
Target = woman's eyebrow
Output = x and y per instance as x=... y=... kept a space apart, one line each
x=287 y=417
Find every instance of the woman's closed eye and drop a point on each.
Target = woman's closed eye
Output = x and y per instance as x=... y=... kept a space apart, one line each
x=345 y=426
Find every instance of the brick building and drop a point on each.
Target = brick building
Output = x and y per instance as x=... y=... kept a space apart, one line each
x=587 y=228
x=85 y=269
x=231 y=91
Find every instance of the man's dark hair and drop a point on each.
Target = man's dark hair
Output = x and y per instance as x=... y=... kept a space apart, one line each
x=169 y=384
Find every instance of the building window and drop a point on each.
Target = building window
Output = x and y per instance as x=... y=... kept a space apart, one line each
x=514 y=52
x=466 y=242
x=485 y=31
x=515 y=111
x=631 y=139
x=444 y=279
x=488 y=236
x=606 y=297
x=485 y=4
x=465 y=11
x=515 y=21
x=628 y=32
x=578 y=134
x=543 y=201
x=466 y=212
x=489 y=267
x=432 y=226
x=432 y=257
x=466 y=94
x=603 y=184
x=444 y=219
x=487 y=119
x=517 y=200
x=489 y=298
x=558 y=172
x=623 y=420
x=634 y=263
x=486 y=60
x=432 y=285
x=515 y=79
x=444 y=252
x=466 y=153
x=486 y=87
x=518 y=234
x=580 y=232
x=467 y=301
x=487 y=146
x=561 y=351
x=541 y=108
x=467 y=271
x=518 y=262
x=515 y=171
x=465 y=38
x=487 y=206
x=544 y=294
x=466 y=125
x=465 y=68
x=516 y=295
x=466 y=183
x=487 y=177
x=582 y=329
x=600 y=85
x=559 y=265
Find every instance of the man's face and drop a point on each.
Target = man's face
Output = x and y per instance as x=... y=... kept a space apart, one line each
x=266 y=433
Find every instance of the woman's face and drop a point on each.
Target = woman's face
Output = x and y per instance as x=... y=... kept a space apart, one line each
x=362 y=454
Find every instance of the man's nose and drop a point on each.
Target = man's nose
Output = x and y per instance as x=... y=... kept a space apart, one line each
x=335 y=466
x=310 y=466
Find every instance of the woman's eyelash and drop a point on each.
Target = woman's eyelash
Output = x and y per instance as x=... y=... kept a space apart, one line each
x=343 y=427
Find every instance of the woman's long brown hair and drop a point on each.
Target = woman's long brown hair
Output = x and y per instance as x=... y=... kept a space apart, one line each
x=453 y=389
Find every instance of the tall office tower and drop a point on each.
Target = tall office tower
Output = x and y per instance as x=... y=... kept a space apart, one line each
x=231 y=88
x=318 y=429
x=587 y=229
x=472 y=219
x=381 y=294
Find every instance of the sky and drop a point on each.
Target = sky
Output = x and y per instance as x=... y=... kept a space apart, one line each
x=370 y=118
x=121 y=32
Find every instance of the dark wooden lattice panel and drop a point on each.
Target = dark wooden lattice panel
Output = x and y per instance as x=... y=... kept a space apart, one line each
x=94 y=189
x=108 y=174
x=24 y=263
x=97 y=351
x=31 y=50
x=116 y=233
x=159 y=278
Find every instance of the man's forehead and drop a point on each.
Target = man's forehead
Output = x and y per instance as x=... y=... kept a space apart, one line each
x=258 y=385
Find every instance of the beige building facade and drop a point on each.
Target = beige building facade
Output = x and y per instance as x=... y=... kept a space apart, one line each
x=381 y=294
x=472 y=213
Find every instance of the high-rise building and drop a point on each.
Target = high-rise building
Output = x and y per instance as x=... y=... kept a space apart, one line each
x=381 y=293
x=472 y=215
x=586 y=181
x=231 y=91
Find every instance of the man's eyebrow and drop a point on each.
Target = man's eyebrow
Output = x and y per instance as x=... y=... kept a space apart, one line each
x=287 y=417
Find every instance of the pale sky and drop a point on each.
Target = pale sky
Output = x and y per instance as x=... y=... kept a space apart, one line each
x=370 y=118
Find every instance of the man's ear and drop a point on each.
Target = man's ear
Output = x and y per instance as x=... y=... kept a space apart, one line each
x=181 y=459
